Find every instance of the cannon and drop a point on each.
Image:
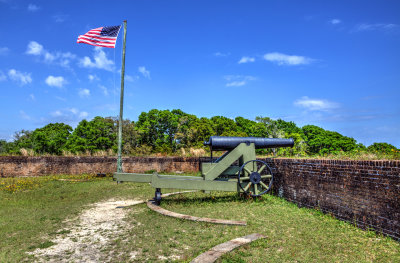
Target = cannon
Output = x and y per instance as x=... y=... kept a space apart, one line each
x=235 y=170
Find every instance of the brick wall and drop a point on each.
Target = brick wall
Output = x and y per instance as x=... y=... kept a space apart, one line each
x=366 y=193
x=13 y=166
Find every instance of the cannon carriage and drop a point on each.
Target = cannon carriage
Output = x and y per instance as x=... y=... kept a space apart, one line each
x=236 y=170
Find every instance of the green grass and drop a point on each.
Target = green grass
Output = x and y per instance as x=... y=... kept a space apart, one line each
x=32 y=215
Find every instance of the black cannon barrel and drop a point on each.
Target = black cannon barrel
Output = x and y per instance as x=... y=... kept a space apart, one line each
x=222 y=143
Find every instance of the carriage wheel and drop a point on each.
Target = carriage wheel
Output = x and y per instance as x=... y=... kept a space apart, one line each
x=255 y=178
x=157 y=196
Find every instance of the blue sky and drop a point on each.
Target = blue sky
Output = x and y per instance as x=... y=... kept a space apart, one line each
x=335 y=64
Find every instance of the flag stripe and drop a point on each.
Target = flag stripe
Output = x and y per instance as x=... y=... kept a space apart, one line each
x=97 y=44
x=97 y=37
x=102 y=36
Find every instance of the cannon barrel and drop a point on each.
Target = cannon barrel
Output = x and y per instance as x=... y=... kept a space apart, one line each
x=222 y=143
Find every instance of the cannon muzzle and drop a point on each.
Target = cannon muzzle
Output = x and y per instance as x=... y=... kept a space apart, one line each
x=222 y=143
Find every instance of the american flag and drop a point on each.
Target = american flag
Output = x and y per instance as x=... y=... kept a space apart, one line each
x=102 y=37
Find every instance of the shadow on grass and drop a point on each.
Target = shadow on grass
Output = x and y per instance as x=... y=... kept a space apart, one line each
x=201 y=198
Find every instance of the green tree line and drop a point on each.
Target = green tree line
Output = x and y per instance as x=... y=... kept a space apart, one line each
x=168 y=131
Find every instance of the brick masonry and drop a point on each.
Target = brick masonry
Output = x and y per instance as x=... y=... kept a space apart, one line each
x=366 y=193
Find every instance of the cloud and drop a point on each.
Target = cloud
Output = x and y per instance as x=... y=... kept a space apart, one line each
x=22 y=78
x=59 y=58
x=335 y=21
x=34 y=48
x=283 y=59
x=246 y=60
x=144 y=72
x=84 y=93
x=53 y=81
x=315 y=104
x=24 y=115
x=99 y=61
x=67 y=115
x=4 y=51
x=130 y=78
x=32 y=97
x=2 y=76
x=375 y=27
x=104 y=89
x=219 y=54
x=59 y=18
x=237 y=80
x=33 y=8
x=93 y=77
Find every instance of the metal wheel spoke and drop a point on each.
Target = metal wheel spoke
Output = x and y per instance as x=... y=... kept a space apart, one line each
x=247 y=170
x=256 y=189
x=244 y=178
x=264 y=185
x=247 y=186
x=266 y=176
x=262 y=169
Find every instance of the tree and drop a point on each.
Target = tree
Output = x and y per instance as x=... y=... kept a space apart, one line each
x=381 y=147
x=92 y=136
x=51 y=139
x=223 y=125
x=320 y=141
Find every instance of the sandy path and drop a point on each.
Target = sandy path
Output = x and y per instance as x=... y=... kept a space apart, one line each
x=96 y=227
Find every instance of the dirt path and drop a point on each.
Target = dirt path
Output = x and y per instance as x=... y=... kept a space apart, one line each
x=95 y=228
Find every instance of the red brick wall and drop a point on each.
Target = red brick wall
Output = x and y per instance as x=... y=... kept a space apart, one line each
x=13 y=166
x=366 y=193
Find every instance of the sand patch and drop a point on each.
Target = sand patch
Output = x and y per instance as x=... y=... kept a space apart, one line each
x=86 y=240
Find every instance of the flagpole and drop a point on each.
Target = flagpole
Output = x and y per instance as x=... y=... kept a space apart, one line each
x=121 y=106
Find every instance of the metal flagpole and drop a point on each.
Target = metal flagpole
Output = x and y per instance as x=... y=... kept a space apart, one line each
x=121 y=105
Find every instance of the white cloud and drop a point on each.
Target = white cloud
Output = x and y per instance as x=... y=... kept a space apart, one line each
x=104 y=89
x=219 y=54
x=144 y=72
x=236 y=83
x=24 y=115
x=33 y=8
x=32 y=97
x=34 y=48
x=315 y=104
x=237 y=80
x=99 y=61
x=53 y=81
x=60 y=98
x=67 y=115
x=93 y=77
x=131 y=78
x=335 y=21
x=2 y=76
x=373 y=27
x=84 y=93
x=22 y=77
x=83 y=114
x=283 y=59
x=59 y=18
x=4 y=51
x=246 y=60
x=60 y=58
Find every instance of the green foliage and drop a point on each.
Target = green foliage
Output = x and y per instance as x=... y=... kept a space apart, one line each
x=51 y=139
x=323 y=142
x=91 y=136
x=382 y=147
x=166 y=131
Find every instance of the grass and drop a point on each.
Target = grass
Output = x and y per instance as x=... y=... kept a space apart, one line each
x=33 y=214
